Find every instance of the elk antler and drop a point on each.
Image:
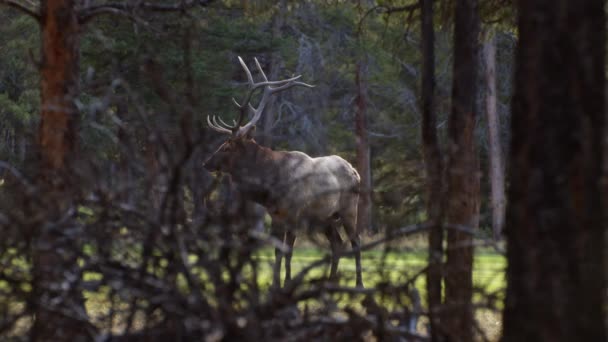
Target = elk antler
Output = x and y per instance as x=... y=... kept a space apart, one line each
x=270 y=87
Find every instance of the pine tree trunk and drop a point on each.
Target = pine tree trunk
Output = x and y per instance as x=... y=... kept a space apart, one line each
x=462 y=175
x=364 y=211
x=497 y=175
x=59 y=83
x=556 y=274
x=271 y=114
x=433 y=168
x=59 y=311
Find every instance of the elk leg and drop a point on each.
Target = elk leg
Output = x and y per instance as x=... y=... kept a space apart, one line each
x=278 y=233
x=349 y=220
x=290 y=240
x=355 y=242
x=335 y=242
x=276 y=273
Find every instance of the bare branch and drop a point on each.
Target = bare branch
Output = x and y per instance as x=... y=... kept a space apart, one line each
x=20 y=177
x=407 y=8
x=388 y=10
x=129 y=7
x=25 y=7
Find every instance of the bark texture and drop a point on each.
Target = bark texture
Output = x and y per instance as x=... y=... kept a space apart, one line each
x=555 y=231
x=59 y=82
x=433 y=169
x=462 y=175
x=272 y=111
x=496 y=174
x=364 y=211
x=60 y=314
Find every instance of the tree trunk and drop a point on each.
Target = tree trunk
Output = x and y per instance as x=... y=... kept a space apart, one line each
x=497 y=175
x=433 y=168
x=54 y=254
x=462 y=175
x=59 y=83
x=125 y=173
x=198 y=177
x=555 y=229
x=364 y=211
x=271 y=114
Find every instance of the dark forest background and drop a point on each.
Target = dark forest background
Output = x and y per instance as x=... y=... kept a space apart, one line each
x=477 y=127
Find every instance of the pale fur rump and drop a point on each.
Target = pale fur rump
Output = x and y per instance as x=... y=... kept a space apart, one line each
x=318 y=188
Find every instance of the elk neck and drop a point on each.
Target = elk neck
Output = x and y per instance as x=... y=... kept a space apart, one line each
x=260 y=169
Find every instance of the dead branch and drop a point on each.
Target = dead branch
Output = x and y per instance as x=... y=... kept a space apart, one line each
x=23 y=6
x=388 y=10
x=129 y=8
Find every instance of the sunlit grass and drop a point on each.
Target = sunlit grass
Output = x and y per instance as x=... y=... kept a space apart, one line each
x=393 y=266
x=398 y=267
x=379 y=267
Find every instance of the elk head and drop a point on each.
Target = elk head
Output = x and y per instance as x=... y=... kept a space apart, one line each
x=240 y=151
x=233 y=152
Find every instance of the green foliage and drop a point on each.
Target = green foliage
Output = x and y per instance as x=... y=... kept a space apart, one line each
x=19 y=95
x=175 y=65
x=148 y=81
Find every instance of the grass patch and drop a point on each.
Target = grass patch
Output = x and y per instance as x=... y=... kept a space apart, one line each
x=488 y=273
x=379 y=266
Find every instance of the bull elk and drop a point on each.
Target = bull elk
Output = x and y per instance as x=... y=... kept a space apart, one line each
x=298 y=191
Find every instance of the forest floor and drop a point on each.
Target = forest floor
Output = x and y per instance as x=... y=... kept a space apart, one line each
x=395 y=266
x=399 y=265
